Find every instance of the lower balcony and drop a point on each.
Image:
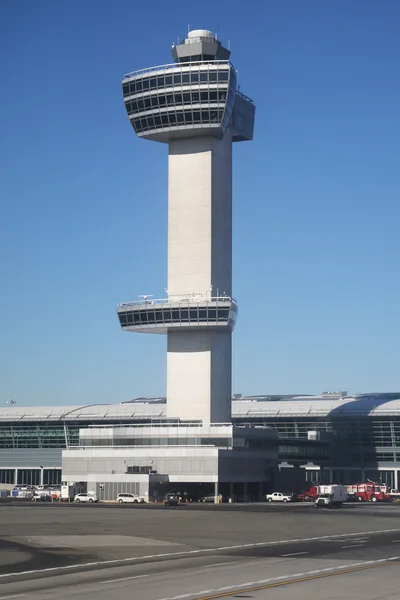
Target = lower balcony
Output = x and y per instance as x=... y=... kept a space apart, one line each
x=161 y=315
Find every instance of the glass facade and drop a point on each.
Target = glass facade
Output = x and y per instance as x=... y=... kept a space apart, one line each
x=52 y=476
x=360 y=441
x=181 y=96
x=308 y=452
x=357 y=441
x=7 y=476
x=184 y=313
x=28 y=476
x=356 y=448
x=222 y=442
x=37 y=435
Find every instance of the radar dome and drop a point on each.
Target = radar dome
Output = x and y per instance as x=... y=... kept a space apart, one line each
x=204 y=33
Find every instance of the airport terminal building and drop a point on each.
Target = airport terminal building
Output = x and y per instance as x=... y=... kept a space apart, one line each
x=199 y=436
x=330 y=438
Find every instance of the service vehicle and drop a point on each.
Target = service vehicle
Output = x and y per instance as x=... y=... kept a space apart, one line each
x=278 y=497
x=331 y=496
x=129 y=498
x=183 y=495
x=171 y=500
x=86 y=497
x=68 y=493
x=310 y=495
x=41 y=496
x=369 y=492
x=22 y=492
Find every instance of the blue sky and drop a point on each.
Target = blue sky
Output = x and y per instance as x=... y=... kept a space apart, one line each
x=83 y=203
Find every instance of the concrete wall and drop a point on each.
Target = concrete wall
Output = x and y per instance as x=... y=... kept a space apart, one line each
x=199 y=262
x=200 y=215
x=221 y=377
x=118 y=484
x=221 y=216
x=111 y=489
x=199 y=465
x=176 y=462
x=106 y=435
x=199 y=376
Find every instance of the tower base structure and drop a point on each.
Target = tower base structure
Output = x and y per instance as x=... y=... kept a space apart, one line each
x=196 y=460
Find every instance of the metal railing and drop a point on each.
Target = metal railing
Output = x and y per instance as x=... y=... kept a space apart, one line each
x=164 y=424
x=190 y=299
x=244 y=97
x=178 y=66
x=117 y=447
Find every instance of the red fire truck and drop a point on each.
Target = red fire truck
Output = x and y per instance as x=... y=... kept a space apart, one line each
x=369 y=492
x=309 y=496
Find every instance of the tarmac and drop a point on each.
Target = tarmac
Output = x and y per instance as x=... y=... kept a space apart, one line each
x=196 y=551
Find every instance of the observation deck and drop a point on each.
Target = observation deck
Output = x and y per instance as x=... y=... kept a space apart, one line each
x=187 y=98
x=184 y=313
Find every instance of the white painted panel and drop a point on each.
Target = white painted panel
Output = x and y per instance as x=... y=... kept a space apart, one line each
x=188 y=375
x=199 y=261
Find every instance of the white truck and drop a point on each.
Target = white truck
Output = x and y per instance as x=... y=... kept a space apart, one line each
x=330 y=496
x=278 y=497
x=69 y=491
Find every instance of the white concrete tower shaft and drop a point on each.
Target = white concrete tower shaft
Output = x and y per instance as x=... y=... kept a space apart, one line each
x=194 y=106
x=199 y=263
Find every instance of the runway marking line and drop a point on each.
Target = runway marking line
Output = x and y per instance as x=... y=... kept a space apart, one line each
x=13 y=596
x=223 y=564
x=310 y=577
x=294 y=554
x=183 y=553
x=123 y=579
x=354 y=546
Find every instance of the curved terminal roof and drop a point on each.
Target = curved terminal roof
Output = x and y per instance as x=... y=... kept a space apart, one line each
x=271 y=407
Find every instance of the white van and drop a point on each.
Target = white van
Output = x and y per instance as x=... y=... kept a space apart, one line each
x=124 y=498
x=87 y=497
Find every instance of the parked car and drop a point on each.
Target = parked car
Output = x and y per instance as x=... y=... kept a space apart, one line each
x=278 y=497
x=126 y=498
x=41 y=496
x=210 y=498
x=183 y=495
x=171 y=500
x=86 y=498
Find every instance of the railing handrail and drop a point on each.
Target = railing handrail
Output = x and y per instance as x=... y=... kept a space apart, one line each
x=154 y=425
x=170 y=66
x=112 y=447
x=195 y=299
x=244 y=96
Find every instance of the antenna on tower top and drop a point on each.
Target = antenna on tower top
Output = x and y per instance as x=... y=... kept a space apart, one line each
x=229 y=44
x=188 y=28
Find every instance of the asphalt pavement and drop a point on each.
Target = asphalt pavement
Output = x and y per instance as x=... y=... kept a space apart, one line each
x=193 y=552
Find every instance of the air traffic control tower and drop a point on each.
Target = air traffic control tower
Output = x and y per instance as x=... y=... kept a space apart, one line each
x=195 y=107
